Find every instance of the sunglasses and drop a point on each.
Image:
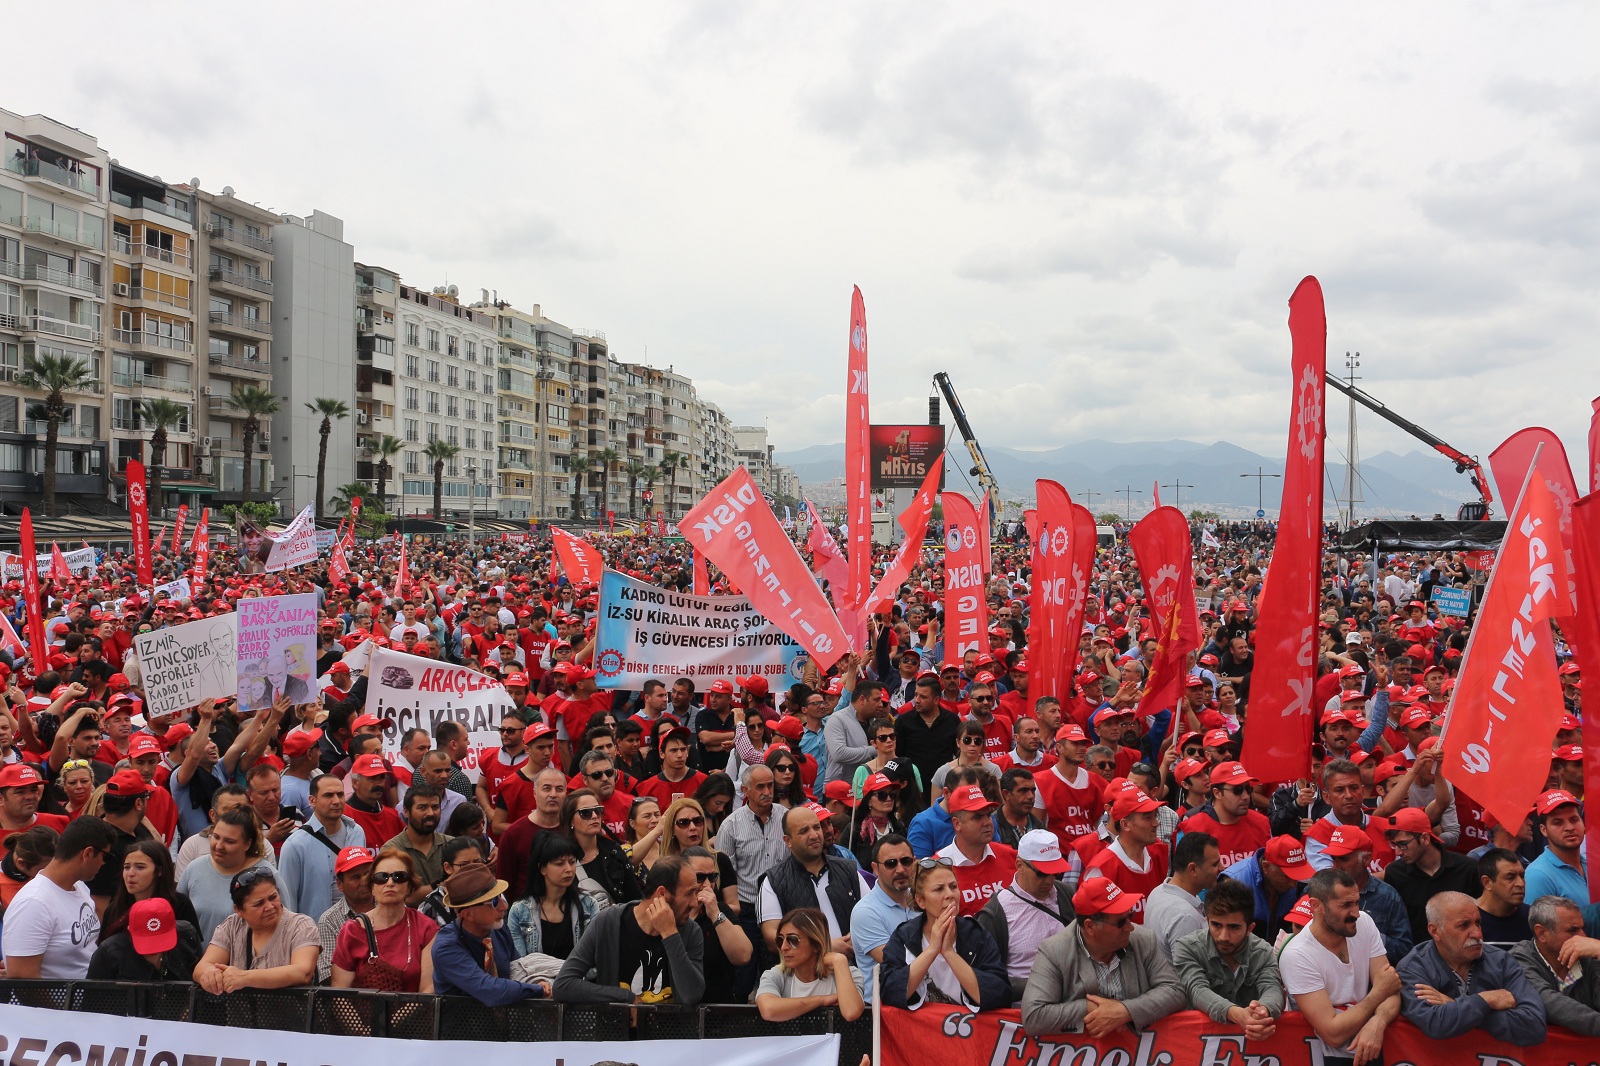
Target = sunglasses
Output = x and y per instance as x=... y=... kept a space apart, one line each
x=884 y=739
x=600 y=775
x=1102 y=765
x=684 y=823
x=391 y=877
x=253 y=876
x=935 y=861
x=971 y=740
x=791 y=940
x=980 y=699
x=1237 y=790
x=706 y=879
x=590 y=812
x=890 y=864
x=1114 y=923
x=510 y=730
x=784 y=768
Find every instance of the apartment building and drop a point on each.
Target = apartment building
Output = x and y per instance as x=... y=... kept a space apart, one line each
x=377 y=298
x=54 y=200
x=447 y=386
x=717 y=457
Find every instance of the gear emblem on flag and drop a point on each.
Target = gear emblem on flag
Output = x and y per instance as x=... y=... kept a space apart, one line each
x=609 y=662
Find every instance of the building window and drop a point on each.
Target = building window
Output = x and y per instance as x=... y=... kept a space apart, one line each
x=452 y=346
x=433 y=403
x=411 y=398
x=433 y=431
x=411 y=334
x=411 y=430
x=433 y=340
x=472 y=439
x=413 y=366
x=452 y=377
x=451 y=435
x=412 y=462
x=472 y=351
x=450 y=407
x=488 y=412
x=433 y=371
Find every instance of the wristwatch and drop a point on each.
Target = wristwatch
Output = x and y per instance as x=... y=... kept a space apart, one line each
x=720 y=918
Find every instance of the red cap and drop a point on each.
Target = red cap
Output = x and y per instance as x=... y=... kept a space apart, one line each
x=1568 y=723
x=118 y=682
x=1184 y=738
x=1216 y=738
x=1132 y=802
x=840 y=791
x=127 y=783
x=1337 y=715
x=300 y=741
x=339 y=668
x=1289 y=855
x=755 y=683
x=1184 y=769
x=1231 y=773
x=152 y=926
x=789 y=727
x=1570 y=753
x=516 y=677
x=362 y=721
x=19 y=775
x=1567 y=669
x=835 y=686
x=1347 y=840
x=1101 y=895
x=968 y=798
x=176 y=735
x=1416 y=718
x=1387 y=770
x=722 y=686
x=370 y=765
x=1352 y=670
x=1196 y=681
x=1416 y=651
x=984 y=678
x=1072 y=731
x=352 y=857
x=1353 y=698
x=1300 y=913
x=1020 y=666
x=1546 y=803
x=537 y=731
x=874 y=782
x=1407 y=820
x=142 y=744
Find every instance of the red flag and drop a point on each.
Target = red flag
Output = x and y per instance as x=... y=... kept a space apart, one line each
x=661 y=524
x=161 y=535
x=338 y=566
x=402 y=574
x=1586 y=624
x=1507 y=701
x=1155 y=493
x=1164 y=548
x=10 y=641
x=200 y=546
x=1511 y=462
x=1030 y=522
x=139 y=514
x=60 y=573
x=914 y=520
x=1052 y=646
x=985 y=524
x=579 y=558
x=736 y=529
x=32 y=605
x=177 y=526
x=826 y=558
x=966 y=611
x=702 y=576
x=1594 y=446
x=611 y=521
x=858 y=459
x=1277 y=745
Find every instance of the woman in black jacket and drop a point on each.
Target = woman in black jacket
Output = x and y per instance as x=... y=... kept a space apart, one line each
x=604 y=873
x=941 y=957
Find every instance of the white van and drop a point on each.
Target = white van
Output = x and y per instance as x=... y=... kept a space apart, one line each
x=1105 y=536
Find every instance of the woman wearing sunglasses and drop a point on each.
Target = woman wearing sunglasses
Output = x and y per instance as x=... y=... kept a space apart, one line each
x=881 y=735
x=552 y=917
x=970 y=741
x=727 y=947
x=809 y=976
x=876 y=817
x=686 y=827
x=260 y=945
x=387 y=949
x=942 y=957
x=787 y=788
x=604 y=873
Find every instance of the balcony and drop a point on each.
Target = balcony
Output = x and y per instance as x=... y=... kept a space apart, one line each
x=227 y=320
x=121 y=245
x=250 y=283
x=54 y=277
x=240 y=363
x=241 y=238
x=147 y=295
x=39 y=427
x=152 y=381
x=61 y=231
x=38 y=323
x=138 y=338
x=68 y=176
x=178 y=211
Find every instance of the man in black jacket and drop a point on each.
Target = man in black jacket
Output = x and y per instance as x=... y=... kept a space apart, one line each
x=810 y=877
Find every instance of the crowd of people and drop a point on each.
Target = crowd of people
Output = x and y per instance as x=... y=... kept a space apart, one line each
x=908 y=825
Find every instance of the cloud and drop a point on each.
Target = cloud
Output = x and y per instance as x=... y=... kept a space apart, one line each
x=1122 y=249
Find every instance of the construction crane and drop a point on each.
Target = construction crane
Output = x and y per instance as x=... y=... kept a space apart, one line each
x=980 y=465
x=1477 y=510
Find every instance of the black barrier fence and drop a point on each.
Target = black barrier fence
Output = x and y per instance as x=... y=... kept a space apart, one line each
x=402 y=1016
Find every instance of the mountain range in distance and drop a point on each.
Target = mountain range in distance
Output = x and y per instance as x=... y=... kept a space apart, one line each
x=1098 y=473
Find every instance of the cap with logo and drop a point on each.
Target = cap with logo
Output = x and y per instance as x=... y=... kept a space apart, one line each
x=152 y=926
x=19 y=775
x=1547 y=803
x=1040 y=849
x=142 y=744
x=1289 y=855
x=370 y=765
x=1347 y=840
x=1101 y=895
x=1231 y=773
x=841 y=792
x=968 y=798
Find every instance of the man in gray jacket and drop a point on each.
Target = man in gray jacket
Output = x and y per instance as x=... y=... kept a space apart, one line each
x=1102 y=972
x=1453 y=984
x=1563 y=964
x=645 y=952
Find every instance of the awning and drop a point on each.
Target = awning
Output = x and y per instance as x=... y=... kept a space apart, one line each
x=1438 y=535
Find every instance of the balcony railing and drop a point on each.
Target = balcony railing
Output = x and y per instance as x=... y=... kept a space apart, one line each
x=151 y=381
x=253 y=282
x=240 y=237
x=239 y=362
x=156 y=296
x=139 y=338
x=34 y=272
x=61 y=231
x=57 y=328
x=82 y=180
x=250 y=325
x=178 y=210
x=38 y=428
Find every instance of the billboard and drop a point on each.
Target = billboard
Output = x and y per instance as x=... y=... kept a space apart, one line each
x=901 y=455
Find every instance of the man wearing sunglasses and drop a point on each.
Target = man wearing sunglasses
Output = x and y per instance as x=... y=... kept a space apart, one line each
x=1103 y=972
x=1238 y=827
x=886 y=907
x=599 y=773
x=1035 y=906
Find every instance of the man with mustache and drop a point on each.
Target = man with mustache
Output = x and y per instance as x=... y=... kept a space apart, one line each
x=1454 y=983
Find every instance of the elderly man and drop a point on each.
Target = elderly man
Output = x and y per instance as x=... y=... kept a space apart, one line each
x=1102 y=973
x=1231 y=975
x=1030 y=910
x=1454 y=984
x=1553 y=962
x=352 y=877
x=472 y=955
x=752 y=839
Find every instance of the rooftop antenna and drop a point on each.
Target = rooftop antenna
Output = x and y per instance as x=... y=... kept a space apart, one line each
x=1352 y=466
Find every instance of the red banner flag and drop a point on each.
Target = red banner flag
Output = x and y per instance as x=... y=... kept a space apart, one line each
x=155 y=548
x=858 y=459
x=1594 y=446
x=201 y=546
x=1586 y=626
x=826 y=558
x=402 y=574
x=10 y=641
x=1164 y=548
x=338 y=566
x=702 y=576
x=1052 y=645
x=1507 y=702
x=914 y=520
x=579 y=558
x=966 y=611
x=611 y=521
x=39 y=648
x=60 y=573
x=734 y=528
x=1277 y=746
x=1511 y=462
x=177 y=526
x=1030 y=522
x=139 y=515
x=1155 y=493
x=661 y=525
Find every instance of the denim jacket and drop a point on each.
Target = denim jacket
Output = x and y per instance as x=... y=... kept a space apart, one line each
x=523 y=922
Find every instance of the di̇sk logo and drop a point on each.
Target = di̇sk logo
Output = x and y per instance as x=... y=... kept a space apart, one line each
x=154 y=925
x=1060 y=541
x=609 y=662
x=969 y=537
x=136 y=494
x=1308 y=412
x=858 y=336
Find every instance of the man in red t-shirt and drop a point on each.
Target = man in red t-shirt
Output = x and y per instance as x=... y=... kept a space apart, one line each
x=982 y=867
x=370 y=779
x=20 y=789
x=514 y=795
x=675 y=778
x=1071 y=797
x=1136 y=860
x=996 y=731
x=571 y=716
x=500 y=763
x=1240 y=829
x=144 y=755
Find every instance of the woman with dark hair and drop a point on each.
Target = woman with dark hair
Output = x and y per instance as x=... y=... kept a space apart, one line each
x=261 y=945
x=809 y=976
x=875 y=817
x=147 y=873
x=941 y=957
x=467 y=821
x=786 y=785
x=388 y=948
x=970 y=741
x=552 y=917
x=236 y=846
x=727 y=946
x=152 y=946
x=716 y=797
x=605 y=875
x=26 y=853
x=652 y=757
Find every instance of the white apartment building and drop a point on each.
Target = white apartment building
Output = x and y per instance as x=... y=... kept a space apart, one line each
x=377 y=297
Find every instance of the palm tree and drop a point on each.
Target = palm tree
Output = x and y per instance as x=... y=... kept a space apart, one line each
x=383 y=448
x=344 y=494
x=53 y=375
x=608 y=458
x=329 y=410
x=157 y=415
x=635 y=470
x=671 y=463
x=579 y=465
x=440 y=451
x=255 y=402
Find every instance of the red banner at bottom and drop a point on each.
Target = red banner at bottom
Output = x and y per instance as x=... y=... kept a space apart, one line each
x=951 y=1035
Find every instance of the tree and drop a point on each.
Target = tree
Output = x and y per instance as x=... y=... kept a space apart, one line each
x=1108 y=518
x=254 y=402
x=608 y=459
x=579 y=465
x=157 y=415
x=344 y=494
x=383 y=448
x=635 y=470
x=1204 y=516
x=53 y=375
x=671 y=463
x=329 y=410
x=440 y=451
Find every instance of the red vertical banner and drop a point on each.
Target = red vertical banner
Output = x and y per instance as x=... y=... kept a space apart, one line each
x=1277 y=746
x=914 y=520
x=1594 y=446
x=200 y=530
x=139 y=516
x=1084 y=544
x=702 y=576
x=827 y=561
x=858 y=459
x=966 y=612
x=355 y=516
x=1030 y=522
x=1051 y=646
x=661 y=525
x=1155 y=493
x=177 y=526
x=579 y=558
x=402 y=573
x=1163 y=546
x=38 y=647
x=201 y=546
x=1586 y=623
x=155 y=548
x=338 y=566
x=1507 y=702
x=1511 y=462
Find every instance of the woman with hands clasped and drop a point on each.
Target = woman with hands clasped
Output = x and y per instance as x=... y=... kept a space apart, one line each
x=941 y=957
x=261 y=945
x=808 y=975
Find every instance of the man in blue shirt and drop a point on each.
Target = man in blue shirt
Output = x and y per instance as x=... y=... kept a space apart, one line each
x=472 y=955
x=886 y=907
x=1561 y=870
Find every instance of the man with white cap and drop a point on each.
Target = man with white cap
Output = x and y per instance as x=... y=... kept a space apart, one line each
x=1032 y=908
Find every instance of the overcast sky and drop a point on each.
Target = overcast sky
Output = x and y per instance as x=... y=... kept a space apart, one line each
x=1092 y=218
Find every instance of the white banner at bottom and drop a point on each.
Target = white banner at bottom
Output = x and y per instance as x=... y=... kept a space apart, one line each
x=31 y=1035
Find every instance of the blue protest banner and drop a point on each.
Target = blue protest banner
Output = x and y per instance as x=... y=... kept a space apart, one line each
x=1453 y=602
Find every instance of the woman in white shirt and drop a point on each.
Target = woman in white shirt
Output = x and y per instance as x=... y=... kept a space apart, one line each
x=808 y=975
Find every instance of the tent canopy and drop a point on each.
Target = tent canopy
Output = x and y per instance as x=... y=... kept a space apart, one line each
x=1437 y=535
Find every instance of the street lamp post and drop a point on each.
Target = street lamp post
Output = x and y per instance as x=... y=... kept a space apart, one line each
x=472 y=505
x=1261 y=476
